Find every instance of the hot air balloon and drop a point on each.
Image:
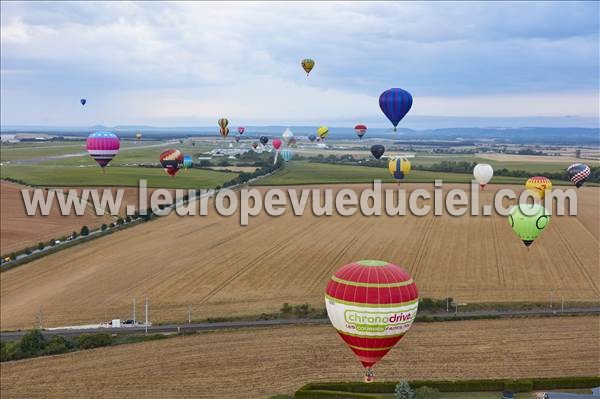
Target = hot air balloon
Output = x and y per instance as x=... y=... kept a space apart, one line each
x=287 y=136
x=255 y=145
x=399 y=168
x=287 y=154
x=539 y=185
x=360 y=130
x=264 y=140
x=578 y=173
x=395 y=104
x=377 y=150
x=171 y=160
x=83 y=101
x=312 y=138
x=307 y=65
x=322 y=132
x=103 y=146
x=223 y=122
x=241 y=130
x=277 y=144
x=237 y=139
x=371 y=304
x=187 y=161
x=138 y=136
x=483 y=173
x=224 y=132
x=528 y=221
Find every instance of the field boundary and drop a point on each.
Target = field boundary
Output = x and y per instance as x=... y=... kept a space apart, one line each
x=375 y=390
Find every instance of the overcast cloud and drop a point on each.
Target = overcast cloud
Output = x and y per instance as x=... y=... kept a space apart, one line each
x=191 y=63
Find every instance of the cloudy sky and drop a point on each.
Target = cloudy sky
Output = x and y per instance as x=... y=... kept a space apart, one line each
x=183 y=64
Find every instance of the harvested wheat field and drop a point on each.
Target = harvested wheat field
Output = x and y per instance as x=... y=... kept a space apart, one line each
x=131 y=197
x=223 y=269
x=20 y=231
x=261 y=362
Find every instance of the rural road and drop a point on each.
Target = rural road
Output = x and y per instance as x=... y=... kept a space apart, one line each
x=195 y=327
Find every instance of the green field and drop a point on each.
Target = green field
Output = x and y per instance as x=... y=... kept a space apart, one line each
x=304 y=172
x=63 y=175
x=536 y=168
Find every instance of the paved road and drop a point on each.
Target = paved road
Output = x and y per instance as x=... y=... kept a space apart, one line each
x=195 y=327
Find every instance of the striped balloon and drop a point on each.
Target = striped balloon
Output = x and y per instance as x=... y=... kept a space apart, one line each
x=578 y=173
x=171 y=160
x=399 y=168
x=223 y=122
x=539 y=185
x=224 y=131
x=187 y=161
x=287 y=154
x=395 y=104
x=371 y=304
x=103 y=146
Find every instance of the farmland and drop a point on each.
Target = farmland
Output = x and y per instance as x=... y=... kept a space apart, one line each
x=20 y=231
x=263 y=362
x=304 y=172
x=223 y=269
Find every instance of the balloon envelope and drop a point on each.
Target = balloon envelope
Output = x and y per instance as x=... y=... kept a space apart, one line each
x=241 y=130
x=371 y=304
x=578 y=173
x=223 y=122
x=287 y=135
x=103 y=147
x=312 y=138
x=528 y=221
x=360 y=130
x=399 y=168
x=264 y=140
x=187 y=161
x=322 y=132
x=377 y=150
x=277 y=144
x=307 y=64
x=83 y=101
x=171 y=160
x=483 y=173
x=224 y=131
x=287 y=154
x=539 y=185
x=395 y=104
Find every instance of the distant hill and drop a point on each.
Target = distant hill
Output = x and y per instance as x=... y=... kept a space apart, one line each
x=524 y=135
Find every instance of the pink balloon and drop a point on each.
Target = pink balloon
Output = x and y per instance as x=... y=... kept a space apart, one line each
x=277 y=144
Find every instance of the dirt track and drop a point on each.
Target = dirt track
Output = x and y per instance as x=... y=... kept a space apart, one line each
x=223 y=269
x=260 y=363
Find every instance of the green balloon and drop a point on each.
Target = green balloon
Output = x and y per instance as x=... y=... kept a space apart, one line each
x=528 y=225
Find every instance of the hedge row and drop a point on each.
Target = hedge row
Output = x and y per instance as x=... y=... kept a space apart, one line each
x=362 y=390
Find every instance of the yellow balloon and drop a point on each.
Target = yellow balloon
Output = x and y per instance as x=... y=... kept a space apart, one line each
x=322 y=132
x=539 y=185
x=399 y=168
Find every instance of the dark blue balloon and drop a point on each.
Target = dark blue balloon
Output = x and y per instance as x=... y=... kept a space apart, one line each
x=83 y=101
x=395 y=104
x=312 y=138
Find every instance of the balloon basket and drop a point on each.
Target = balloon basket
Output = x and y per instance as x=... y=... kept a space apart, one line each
x=369 y=375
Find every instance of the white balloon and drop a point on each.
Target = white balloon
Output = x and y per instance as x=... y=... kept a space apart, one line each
x=287 y=135
x=483 y=173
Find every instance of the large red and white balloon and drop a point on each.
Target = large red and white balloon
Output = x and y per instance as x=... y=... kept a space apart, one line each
x=371 y=304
